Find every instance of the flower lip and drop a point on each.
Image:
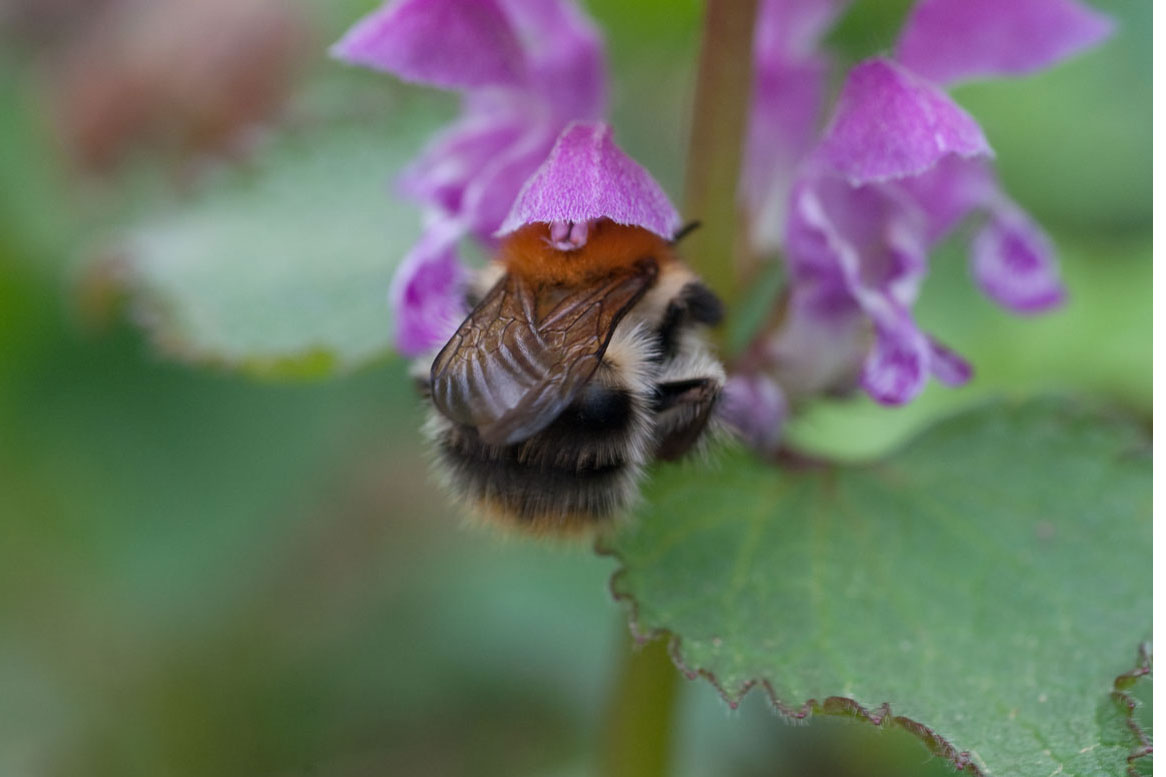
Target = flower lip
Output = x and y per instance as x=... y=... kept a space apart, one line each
x=450 y=44
x=947 y=365
x=897 y=367
x=1014 y=264
x=587 y=177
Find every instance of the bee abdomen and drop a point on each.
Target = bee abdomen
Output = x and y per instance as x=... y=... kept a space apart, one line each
x=578 y=472
x=540 y=490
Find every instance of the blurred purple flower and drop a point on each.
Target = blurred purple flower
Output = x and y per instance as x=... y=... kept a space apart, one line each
x=1012 y=263
x=789 y=98
x=755 y=407
x=428 y=290
x=414 y=40
x=898 y=167
x=525 y=69
x=953 y=41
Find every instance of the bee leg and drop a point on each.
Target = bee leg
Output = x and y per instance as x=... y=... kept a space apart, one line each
x=682 y=409
x=696 y=304
x=704 y=307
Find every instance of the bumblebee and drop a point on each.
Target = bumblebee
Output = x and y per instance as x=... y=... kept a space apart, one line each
x=573 y=371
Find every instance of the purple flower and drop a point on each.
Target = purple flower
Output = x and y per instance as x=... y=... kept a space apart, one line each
x=864 y=249
x=525 y=69
x=898 y=167
x=587 y=178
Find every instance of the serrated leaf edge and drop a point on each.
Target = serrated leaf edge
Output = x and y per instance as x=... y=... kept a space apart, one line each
x=880 y=717
x=1145 y=668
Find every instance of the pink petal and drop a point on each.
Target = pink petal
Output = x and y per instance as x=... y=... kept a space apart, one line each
x=950 y=191
x=822 y=342
x=756 y=408
x=794 y=28
x=950 y=41
x=452 y=44
x=947 y=365
x=858 y=251
x=871 y=238
x=588 y=177
x=1014 y=264
x=812 y=244
x=491 y=194
x=565 y=56
x=788 y=100
x=426 y=294
x=459 y=154
x=897 y=368
x=891 y=124
x=789 y=93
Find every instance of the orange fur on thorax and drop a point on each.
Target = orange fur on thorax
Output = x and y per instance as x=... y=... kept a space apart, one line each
x=528 y=253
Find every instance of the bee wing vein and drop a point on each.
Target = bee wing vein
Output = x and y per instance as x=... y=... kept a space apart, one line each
x=510 y=375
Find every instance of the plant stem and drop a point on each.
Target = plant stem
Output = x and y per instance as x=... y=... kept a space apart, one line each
x=639 y=725
x=723 y=88
x=638 y=736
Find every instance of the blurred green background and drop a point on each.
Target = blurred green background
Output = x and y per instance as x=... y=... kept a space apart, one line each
x=202 y=573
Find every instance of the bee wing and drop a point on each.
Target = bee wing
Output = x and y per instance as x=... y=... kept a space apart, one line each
x=509 y=371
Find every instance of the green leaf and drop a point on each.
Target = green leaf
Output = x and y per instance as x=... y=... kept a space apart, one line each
x=282 y=268
x=988 y=583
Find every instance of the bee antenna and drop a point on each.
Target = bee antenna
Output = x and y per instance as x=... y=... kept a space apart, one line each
x=685 y=231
